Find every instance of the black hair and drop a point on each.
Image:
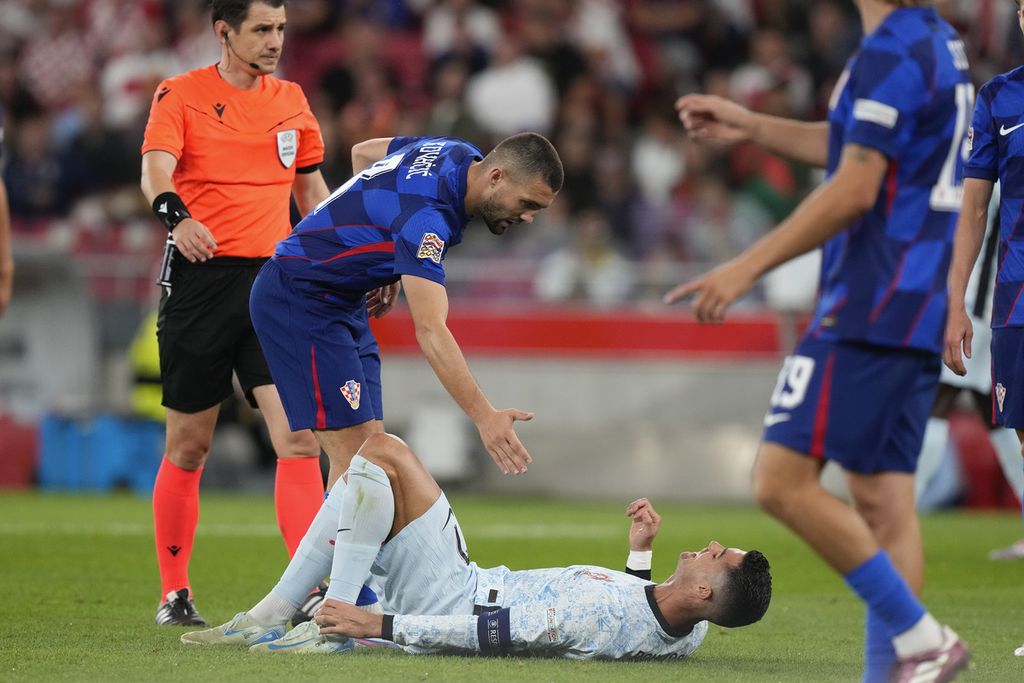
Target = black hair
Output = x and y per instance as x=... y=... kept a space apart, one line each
x=529 y=155
x=234 y=12
x=747 y=592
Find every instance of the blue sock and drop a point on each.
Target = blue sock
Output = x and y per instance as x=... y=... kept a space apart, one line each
x=887 y=595
x=879 y=654
x=366 y=597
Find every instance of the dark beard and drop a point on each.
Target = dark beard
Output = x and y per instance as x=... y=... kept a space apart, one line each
x=490 y=214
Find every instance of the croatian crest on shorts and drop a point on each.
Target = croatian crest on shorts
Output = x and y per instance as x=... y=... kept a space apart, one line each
x=287 y=147
x=351 y=393
x=1000 y=396
x=431 y=247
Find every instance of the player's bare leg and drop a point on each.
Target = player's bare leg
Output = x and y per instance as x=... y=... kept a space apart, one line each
x=189 y=436
x=786 y=485
x=886 y=502
x=287 y=444
x=341 y=444
x=298 y=483
x=176 y=510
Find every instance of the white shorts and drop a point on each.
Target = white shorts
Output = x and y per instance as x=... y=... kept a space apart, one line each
x=425 y=569
x=979 y=365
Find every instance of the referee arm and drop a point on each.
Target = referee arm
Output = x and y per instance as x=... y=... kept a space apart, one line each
x=192 y=238
x=309 y=189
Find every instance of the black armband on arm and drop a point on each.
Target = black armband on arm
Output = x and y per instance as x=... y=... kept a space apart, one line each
x=169 y=208
x=308 y=169
x=639 y=573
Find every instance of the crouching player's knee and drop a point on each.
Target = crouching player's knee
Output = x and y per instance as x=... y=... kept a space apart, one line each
x=387 y=452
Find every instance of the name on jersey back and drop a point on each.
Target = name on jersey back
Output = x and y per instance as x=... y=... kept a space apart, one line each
x=423 y=163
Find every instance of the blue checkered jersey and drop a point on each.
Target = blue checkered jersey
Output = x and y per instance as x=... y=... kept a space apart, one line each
x=397 y=217
x=996 y=142
x=906 y=93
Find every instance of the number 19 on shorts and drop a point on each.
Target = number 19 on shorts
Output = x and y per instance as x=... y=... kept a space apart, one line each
x=791 y=387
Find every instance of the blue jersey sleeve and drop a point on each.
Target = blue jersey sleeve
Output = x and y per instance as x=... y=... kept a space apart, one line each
x=420 y=245
x=398 y=143
x=886 y=89
x=983 y=162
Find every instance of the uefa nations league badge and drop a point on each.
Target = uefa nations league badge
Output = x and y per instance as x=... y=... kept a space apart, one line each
x=287 y=147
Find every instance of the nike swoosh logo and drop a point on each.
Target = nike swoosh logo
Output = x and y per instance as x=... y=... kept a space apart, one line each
x=267 y=637
x=345 y=529
x=775 y=418
x=272 y=646
x=1003 y=130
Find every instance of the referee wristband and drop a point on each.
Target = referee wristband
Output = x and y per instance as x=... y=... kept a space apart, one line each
x=639 y=559
x=169 y=208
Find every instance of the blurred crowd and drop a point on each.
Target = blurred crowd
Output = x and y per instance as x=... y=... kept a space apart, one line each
x=598 y=77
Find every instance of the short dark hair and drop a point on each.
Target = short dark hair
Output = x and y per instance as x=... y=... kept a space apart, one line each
x=530 y=155
x=748 y=590
x=234 y=12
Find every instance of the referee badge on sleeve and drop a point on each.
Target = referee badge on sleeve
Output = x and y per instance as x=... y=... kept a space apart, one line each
x=431 y=247
x=287 y=147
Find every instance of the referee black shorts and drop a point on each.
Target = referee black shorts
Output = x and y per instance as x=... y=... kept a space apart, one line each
x=205 y=333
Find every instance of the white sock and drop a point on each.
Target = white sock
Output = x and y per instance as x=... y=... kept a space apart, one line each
x=272 y=610
x=367 y=513
x=923 y=636
x=310 y=564
x=1008 y=449
x=933 y=449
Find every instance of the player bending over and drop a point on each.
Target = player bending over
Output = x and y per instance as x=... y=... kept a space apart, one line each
x=388 y=517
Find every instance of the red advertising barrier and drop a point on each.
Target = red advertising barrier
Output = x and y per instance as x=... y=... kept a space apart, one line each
x=588 y=333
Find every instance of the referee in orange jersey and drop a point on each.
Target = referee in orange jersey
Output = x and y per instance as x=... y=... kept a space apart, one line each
x=224 y=147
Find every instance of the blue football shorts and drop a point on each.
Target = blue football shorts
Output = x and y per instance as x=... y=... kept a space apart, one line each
x=320 y=350
x=1007 y=377
x=861 y=405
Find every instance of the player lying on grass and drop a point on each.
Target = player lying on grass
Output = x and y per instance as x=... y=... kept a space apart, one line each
x=389 y=517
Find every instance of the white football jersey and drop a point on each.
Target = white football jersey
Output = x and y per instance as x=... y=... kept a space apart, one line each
x=578 y=612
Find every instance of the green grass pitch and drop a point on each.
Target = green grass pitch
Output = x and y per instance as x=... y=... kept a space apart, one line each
x=79 y=590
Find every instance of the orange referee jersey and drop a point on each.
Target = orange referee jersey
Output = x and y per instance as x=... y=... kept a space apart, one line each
x=237 y=151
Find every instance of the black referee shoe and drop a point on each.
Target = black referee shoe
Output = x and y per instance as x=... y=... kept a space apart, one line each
x=179 y=610
x=310 y=605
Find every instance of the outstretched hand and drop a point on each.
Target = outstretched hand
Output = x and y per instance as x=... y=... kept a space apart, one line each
x=645 y=526
x=714 y=291
x=715 y=119
x=498 y=433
